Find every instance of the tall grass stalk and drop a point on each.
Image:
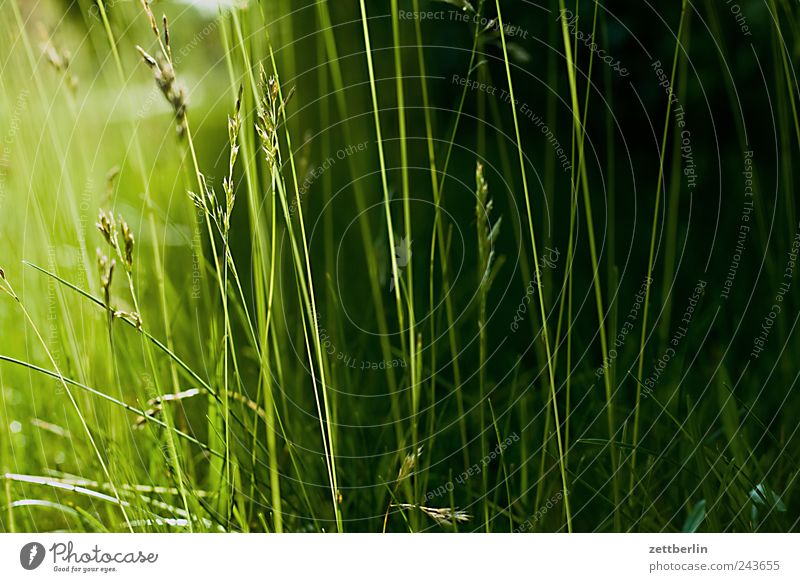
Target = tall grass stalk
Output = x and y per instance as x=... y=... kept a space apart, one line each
x=584 y=182
x=653 y=233
x=6 y=287
x=305 y=282
x=415 y=375
x=365 y=228
x=543 y=313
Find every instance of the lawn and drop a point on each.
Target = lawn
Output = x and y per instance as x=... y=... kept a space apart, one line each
x=399 y=266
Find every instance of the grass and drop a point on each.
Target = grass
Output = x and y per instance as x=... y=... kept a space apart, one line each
x=443 y=330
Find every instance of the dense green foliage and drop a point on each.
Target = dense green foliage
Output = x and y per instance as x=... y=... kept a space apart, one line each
x=304 y=265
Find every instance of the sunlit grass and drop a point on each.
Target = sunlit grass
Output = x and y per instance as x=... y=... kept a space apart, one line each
x=245 y=343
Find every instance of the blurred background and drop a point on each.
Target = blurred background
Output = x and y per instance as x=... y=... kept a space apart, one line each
x=673 y=163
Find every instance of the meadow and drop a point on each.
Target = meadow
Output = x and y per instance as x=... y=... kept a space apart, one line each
x=399 y=266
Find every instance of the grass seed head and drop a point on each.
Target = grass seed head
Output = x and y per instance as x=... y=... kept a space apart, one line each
x=408 y=466
x=150 y=16
x=446 y=515
x=234 y=126
x=175 y=94
x=150 y=61
x=441 y=515
x=60 y=59
x=269 y=111
x=107 y=227
x=105 y=267
x=487 y=232
x=166 y=33
x=273 y=89
x=128 y=241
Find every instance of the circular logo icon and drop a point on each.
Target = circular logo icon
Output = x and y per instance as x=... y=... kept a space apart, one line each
x=31 y=555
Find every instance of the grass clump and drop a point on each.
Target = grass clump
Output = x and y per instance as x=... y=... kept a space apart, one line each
x=303 y=313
